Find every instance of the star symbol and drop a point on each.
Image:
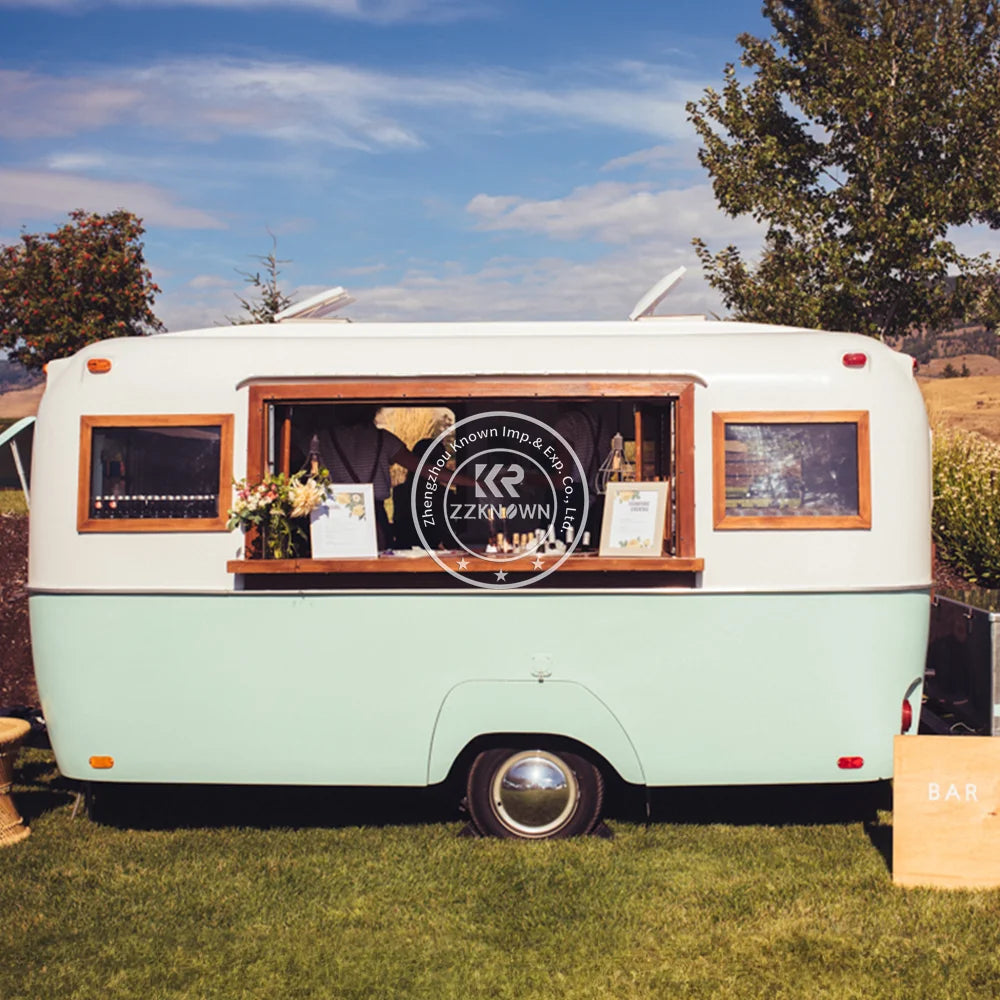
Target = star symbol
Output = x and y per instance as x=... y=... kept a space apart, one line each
x=463 y=563
x=501 y=575
x=538 y=562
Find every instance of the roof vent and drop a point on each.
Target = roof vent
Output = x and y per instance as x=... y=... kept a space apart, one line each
x=645 y=307
x=320 y=306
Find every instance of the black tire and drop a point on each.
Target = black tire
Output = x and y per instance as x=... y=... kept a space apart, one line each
x=564 y=801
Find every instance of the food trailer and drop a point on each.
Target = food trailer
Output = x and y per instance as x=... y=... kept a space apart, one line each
x=768 y=625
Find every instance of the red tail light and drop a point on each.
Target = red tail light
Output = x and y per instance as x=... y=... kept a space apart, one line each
x=850 y=763
x=857 y=360
x=907 y=716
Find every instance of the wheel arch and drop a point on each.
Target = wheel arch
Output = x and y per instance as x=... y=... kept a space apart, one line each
x=482 y=715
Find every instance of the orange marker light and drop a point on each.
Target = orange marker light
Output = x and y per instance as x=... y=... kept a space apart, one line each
x=102 y=763
x=98 y=366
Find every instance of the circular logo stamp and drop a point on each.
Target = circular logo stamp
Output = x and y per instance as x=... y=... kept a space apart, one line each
x=500 y=500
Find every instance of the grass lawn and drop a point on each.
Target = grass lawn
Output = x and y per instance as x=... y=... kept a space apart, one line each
x=311 y=893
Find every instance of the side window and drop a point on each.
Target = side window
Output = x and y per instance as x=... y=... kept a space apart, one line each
x=803 y=470
x=154 y=473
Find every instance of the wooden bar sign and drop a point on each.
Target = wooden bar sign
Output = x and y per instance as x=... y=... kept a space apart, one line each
x=946 y=811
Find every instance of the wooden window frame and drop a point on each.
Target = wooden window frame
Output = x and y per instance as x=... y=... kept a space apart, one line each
x=726 y=522
x=426 y=391
x=88 y=423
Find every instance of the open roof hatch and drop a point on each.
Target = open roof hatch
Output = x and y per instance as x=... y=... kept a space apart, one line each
x=646 y=305
x=321 y=306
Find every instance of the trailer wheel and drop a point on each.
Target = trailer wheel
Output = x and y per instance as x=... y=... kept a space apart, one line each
x=534 y=794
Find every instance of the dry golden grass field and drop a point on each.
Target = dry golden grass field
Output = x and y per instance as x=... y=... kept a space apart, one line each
x=20 y=403
x=968 y=404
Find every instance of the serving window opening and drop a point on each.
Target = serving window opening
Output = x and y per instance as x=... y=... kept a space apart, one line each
x=391 y=448
x=385 y=444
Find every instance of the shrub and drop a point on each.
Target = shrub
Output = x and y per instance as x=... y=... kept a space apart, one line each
x=967 y=504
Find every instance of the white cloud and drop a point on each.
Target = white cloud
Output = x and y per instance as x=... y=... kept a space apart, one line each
x=203 y=281
x=27 y=194
x=76 y=161
x=650 y=231
x=206 y=300
x=33 y=105
x=531 y=289
x=505 y=288
x=366 y=269
x=616 y=213
x=291 y=102
x=374 y=11
x=657 y=156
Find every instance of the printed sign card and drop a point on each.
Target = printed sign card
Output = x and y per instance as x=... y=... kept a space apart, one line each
x=634 y=519
x=945 y=822
x=343 y=527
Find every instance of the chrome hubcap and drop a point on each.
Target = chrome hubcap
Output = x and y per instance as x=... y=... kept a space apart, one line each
x=534 y=793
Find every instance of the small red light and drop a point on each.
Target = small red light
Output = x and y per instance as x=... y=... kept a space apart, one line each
x=916 y=366
x=907 y=716
x=855 y=360
x=850 y=763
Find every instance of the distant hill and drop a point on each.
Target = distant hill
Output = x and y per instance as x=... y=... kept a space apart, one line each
x=14 y=376
x=969 y=339
x=19 y=403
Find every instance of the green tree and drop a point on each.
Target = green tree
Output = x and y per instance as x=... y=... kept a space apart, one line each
x=867 y=130
x=268 y=299
x=84 y=282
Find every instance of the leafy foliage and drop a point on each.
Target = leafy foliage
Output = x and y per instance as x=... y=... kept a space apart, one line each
x=868 y=130
x=269 y=299
x=967 y=504
x=85 y=282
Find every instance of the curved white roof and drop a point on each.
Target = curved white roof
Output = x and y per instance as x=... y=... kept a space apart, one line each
x=736 y=367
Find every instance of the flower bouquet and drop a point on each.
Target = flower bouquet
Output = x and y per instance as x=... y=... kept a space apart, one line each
x=277 y=507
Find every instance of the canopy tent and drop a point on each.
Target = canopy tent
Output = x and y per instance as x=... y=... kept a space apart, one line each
x=15 y=455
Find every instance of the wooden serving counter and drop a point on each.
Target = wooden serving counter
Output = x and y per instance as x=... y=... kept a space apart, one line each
x=585 y=563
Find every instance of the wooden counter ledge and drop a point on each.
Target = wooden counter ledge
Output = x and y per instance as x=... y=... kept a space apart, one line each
x=589 y=563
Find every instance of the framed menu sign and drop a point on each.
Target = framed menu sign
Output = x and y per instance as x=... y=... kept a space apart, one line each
x=634 y=519
x=344 y=525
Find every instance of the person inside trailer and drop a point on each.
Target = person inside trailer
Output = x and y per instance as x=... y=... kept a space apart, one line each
x=404 y=530
x=354 y=450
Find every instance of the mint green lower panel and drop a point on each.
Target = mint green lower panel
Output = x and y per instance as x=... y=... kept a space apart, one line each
x=324 y=688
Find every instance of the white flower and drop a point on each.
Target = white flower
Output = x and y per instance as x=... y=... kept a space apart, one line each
x=305 y=497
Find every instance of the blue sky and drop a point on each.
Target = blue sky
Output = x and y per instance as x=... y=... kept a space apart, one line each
x=452 y=159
